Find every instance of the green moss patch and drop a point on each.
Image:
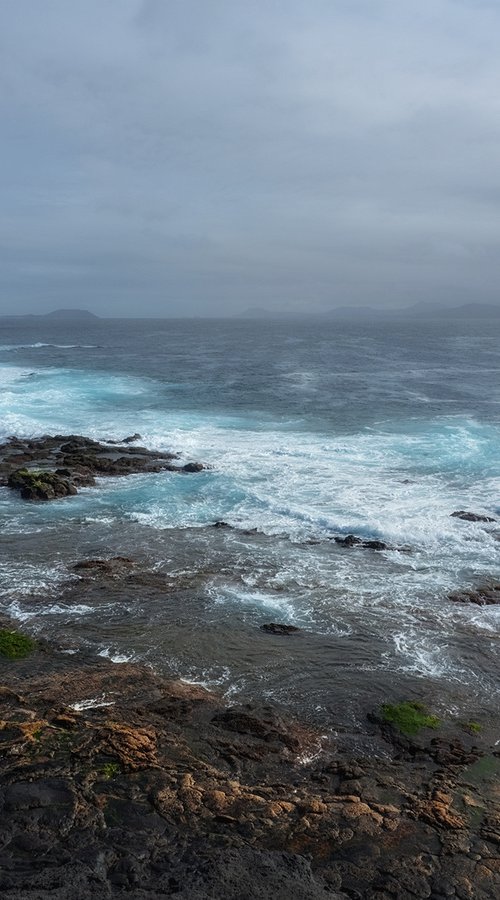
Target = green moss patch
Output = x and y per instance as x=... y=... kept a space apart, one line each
x=14 y=645
x=408 y=717
x=110 y=770
x=474 y=727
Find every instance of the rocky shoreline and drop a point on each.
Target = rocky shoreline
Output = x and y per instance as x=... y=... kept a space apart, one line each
x=117 y=782
x=55 y=466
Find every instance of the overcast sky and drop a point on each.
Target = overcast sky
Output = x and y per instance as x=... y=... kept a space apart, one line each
x=203 y=156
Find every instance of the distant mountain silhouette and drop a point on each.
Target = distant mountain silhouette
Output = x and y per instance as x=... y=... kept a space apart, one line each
x=60 y=315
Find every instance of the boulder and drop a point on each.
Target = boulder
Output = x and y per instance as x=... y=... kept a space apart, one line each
x=40 y=485
x=131 y=438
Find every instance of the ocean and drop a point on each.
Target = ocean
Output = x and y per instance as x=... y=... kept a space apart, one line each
x=311 y=430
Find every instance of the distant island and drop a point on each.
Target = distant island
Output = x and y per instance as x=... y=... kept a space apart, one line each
x=60 y=315
x=417 y=312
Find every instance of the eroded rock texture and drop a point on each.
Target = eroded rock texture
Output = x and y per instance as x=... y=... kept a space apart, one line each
x=115 y=782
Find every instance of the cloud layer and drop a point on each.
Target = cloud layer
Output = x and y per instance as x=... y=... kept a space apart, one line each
x=192 y=157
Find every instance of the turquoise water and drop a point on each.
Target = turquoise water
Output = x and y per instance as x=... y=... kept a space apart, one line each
x=311 y=430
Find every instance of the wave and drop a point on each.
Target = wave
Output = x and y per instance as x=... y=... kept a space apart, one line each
x=40 y=345
x=398 y=482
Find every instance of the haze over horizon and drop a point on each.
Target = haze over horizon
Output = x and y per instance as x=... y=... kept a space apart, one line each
x=185 y=158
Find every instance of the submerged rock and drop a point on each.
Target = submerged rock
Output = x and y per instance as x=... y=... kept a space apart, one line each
x=115 y=565
x=279 y=628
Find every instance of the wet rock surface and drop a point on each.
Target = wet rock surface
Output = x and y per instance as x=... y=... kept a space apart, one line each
x=352 y=540
x=471 y=516
x=51 y=467
x=116 y=782
x=486 y=595
x=42 y=485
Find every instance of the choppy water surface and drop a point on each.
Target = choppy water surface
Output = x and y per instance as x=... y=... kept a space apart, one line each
x=312 y=430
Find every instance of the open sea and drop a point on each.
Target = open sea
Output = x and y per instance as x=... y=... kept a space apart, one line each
x=311 y=429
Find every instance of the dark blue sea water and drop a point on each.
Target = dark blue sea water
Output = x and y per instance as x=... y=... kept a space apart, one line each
x=312 y=430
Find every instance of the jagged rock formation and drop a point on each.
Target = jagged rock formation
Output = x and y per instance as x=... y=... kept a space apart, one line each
x=51 y=467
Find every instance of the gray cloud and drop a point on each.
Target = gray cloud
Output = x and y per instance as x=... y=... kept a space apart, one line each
x=184 y=156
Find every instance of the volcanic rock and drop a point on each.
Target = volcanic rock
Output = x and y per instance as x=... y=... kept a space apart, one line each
x=115 y=782
x=65 y=462
x=34 y=485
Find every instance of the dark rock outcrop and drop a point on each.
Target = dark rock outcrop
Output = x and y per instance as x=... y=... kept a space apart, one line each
x=351 y=540
x=488 y=595
x=117 y=783
x=471 y=516
x=131 y=438
x=51 y=467
x=42 y=485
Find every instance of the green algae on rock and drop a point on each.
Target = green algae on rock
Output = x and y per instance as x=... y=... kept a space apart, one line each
x=14 y=645
x=40 y=485
x=408 y=717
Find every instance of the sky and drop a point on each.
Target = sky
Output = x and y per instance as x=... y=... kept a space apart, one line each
x=200 y=157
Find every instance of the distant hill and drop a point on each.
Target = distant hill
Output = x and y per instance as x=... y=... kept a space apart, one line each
x=473 y=311
x=59 y=315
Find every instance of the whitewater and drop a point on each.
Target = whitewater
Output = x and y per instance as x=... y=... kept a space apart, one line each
x=309 y=431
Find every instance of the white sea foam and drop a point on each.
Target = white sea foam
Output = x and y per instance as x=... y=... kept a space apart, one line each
x=40 y=345
x=92 y=703
x=255 y=601
x=56 y=609
x=115 y=656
